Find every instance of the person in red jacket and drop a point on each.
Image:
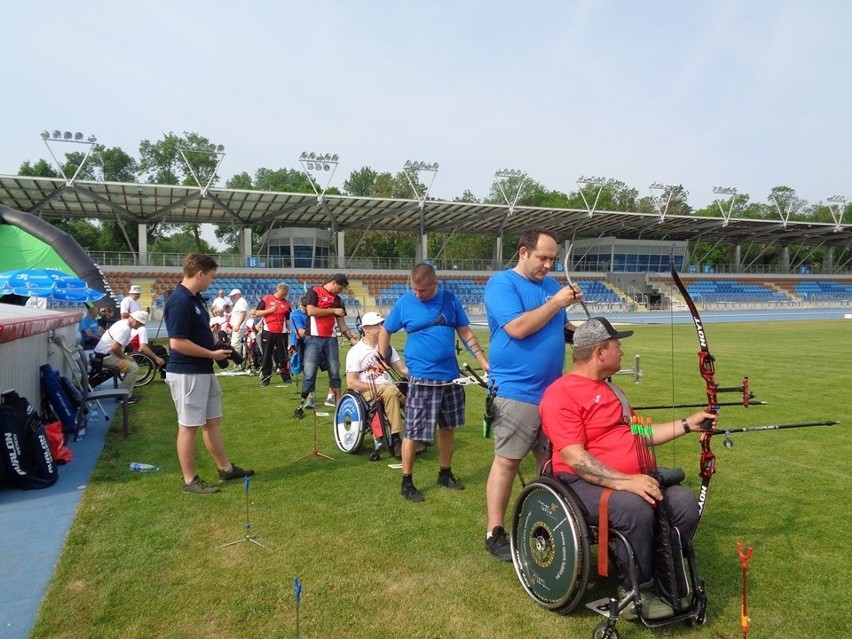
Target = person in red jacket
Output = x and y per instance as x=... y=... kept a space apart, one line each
x=275 y=313
x=325 y=310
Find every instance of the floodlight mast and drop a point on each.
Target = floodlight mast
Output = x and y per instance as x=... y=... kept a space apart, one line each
x=584 y=181
x=312 y=161
x=207 y=148
x=414 y=167
x=666 y=192
x=792 y=205
x=502 y=177
x=726 y=190
x=837 y=206
x=72 y=138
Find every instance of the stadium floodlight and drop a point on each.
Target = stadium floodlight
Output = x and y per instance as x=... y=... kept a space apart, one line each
x=413 y=168
x=663 y=187
x=837 y=206
x=501 y=177
x=319 y=162
x=207 y=148
x=509 y=173
x=661 y=202
x=56 y=135
x=726 y=190
x=591 y=180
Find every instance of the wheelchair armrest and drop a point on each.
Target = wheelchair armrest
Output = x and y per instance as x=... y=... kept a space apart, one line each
x=670 y=476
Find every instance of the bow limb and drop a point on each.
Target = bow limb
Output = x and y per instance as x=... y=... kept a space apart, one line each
x=707 y=370
x=571 y=283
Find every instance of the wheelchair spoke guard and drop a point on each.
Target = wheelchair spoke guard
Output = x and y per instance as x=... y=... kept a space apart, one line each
x=550 y=545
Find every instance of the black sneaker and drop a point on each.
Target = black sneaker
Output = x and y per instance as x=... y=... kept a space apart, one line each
x=133 y=399
x=448 y=480
x=235 y=473
x=498 y=544
x=199 y=487
x=264 y=383
x=376 y=455
x=411 y=493
x=298 y=413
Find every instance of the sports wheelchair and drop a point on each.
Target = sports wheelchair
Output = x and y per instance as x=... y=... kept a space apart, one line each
x=354 y=416
x=551 y=544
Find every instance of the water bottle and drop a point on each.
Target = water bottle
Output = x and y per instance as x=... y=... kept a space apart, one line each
x=138 y=467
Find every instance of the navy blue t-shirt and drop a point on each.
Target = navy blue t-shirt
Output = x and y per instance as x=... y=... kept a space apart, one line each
x=187 y=318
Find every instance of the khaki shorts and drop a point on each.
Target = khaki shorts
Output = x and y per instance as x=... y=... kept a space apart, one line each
x=197 y=397
x=516 y=429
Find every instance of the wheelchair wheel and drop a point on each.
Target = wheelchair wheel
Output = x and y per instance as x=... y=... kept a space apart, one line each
x=550 y=545
x=350 y=422
x=147 y=369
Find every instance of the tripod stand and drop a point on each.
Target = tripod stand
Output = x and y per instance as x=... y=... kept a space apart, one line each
x=315 y=452
x=248 y=537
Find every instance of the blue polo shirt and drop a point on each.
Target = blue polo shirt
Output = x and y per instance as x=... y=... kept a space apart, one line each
x=431 y=326
x=187 y=318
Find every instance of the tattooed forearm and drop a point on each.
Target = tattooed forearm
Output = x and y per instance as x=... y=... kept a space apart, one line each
x=593 y=471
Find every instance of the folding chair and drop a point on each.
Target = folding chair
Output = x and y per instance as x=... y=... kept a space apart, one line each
x=119 y=394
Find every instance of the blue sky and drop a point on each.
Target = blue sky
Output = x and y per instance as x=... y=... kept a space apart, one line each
x=748 y=94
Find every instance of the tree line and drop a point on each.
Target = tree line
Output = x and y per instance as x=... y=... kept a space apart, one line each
x=160 y=162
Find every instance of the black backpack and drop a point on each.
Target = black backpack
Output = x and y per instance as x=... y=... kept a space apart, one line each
x=26 y=458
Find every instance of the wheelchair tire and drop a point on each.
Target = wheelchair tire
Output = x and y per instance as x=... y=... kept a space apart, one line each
x=350 y=422
x=147 y=369
x=550 y=545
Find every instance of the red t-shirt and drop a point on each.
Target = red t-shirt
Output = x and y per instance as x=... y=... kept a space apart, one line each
x=321 y=298
x=276 y=321
x=579 y=410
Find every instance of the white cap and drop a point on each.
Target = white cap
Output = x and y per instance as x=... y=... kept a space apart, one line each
x=135 y=289
x=236 y=291
x=371 y=319
x=140 y=316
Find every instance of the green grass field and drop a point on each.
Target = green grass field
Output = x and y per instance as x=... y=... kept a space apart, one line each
x=143 y=559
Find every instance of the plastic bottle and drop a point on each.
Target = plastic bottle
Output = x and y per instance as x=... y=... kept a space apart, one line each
x=143 y=468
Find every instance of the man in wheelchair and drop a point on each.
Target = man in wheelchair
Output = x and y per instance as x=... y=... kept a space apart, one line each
x=366 y=374
x=609 y=468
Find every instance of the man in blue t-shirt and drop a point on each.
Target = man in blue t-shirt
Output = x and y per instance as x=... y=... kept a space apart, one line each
x=90 y=333
x=526 y=317
x=189 y=375
x=431 y=317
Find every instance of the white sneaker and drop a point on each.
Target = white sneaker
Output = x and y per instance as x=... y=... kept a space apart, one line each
x=329 y=401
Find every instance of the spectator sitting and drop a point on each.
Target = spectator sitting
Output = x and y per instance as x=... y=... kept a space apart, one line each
x=107 y=318
x=90 y=332
x=220 y=301
x=217 y=322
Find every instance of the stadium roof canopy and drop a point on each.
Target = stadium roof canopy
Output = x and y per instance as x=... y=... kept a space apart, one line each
x=154 y=203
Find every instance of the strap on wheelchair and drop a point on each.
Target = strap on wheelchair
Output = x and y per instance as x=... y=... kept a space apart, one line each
x=603 y=533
